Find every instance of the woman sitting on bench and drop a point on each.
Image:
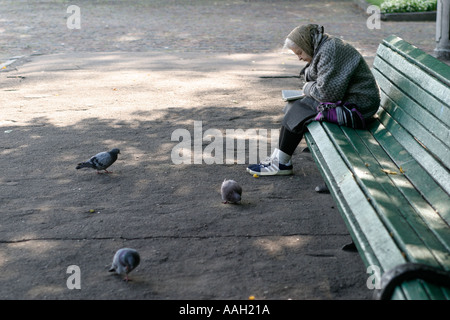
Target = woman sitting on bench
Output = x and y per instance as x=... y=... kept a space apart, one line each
x=339 y=88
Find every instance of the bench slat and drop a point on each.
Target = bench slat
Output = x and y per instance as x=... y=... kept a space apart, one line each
x=417 y=174
x=433 y=132
x=416 y=93
x=373 y=230
x=405 y=182
x=409 y=226
x=374 y=243
x=361 y=242
x=434 y=76
x=427 y=161
x=415 y=76
x=406 y=225
x=436 y=146
x=421 y=290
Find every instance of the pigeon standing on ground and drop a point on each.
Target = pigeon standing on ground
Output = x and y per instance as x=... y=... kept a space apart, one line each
x=101 y=160
x=125 y=260
x=231 y=191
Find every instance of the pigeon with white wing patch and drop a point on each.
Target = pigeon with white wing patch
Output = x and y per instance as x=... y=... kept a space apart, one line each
x=231 y=191
x=101 y=161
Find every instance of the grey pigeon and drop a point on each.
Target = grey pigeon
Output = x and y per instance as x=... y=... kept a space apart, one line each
x=125 y=260
x=101 y=161
x=231 y=191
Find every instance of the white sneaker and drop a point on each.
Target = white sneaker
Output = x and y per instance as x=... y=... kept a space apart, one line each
x=272 y=166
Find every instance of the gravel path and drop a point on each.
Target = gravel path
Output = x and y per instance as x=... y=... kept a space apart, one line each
x=40 y=27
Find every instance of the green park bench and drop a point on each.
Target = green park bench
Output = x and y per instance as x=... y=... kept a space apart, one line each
x=391 y=182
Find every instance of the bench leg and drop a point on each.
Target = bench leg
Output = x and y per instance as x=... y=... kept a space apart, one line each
x=350 y=247
x=322 y=189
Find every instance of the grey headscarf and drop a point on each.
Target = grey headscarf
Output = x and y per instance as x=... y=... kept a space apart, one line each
x=308 y=37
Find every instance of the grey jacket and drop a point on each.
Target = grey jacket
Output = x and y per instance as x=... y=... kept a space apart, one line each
x=338 y=72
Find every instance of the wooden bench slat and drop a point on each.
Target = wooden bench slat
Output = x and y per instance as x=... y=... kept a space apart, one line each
x=361 y=242
x=446 y=293
x=388 y=146
x=415 y=92
x=406 y=224
x=415 y=75
x=427 y=161
x=388 y=153
x=435 y=292
x=436 y=146
x=410 y=289
x=417 y=174
x=380 y=250
x=373 y=231
x=432 y=67
x=432 y=127
x=421 y=290
x=424 y=219
x=419 y=253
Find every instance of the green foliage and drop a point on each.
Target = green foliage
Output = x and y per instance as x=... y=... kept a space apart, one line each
x=375 y=2
x=390 y=6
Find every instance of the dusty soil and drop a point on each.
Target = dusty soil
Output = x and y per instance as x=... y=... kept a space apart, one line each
x=131 y=76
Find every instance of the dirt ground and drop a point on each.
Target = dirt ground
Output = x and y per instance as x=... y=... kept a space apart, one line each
x=131 y=86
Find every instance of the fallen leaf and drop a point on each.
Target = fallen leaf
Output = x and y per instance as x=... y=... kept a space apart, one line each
x=388 y=171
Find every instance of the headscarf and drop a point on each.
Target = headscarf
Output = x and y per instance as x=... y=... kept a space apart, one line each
x=308 y=37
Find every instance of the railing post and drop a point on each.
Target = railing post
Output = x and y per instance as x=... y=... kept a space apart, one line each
x=442 y=49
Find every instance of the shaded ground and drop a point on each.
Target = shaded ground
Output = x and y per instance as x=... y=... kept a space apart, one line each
x=134 y=73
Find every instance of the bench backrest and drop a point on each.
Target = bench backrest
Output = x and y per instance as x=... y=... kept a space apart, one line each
x=415 y=104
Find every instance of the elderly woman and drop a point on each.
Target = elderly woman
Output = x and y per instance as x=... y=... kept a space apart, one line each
x=339 y=88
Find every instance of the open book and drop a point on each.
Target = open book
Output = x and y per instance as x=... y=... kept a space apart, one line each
x=289 y=95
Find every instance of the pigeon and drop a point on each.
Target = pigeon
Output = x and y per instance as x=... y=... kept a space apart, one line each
x=101 y=161
x=125 y=260
x=231 y=191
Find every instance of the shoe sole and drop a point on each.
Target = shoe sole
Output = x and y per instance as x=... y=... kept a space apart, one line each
x=277 y=173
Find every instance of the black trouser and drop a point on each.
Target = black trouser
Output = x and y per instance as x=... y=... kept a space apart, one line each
x=288 y=140
x=297 y=115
